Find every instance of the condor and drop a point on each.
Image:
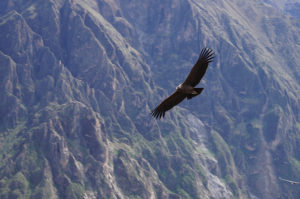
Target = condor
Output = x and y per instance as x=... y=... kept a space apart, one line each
x=187 y=88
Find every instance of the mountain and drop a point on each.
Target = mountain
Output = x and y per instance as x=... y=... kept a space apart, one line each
x=79 y=80
x=289 y=7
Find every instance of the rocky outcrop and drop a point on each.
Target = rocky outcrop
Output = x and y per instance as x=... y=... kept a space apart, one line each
x=79 y=78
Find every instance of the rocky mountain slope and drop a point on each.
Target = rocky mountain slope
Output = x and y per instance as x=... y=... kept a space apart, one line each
x=79 y=77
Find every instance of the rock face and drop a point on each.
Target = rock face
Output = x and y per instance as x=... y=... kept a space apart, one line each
x=78 y=80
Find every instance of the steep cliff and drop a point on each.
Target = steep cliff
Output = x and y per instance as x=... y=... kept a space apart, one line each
x=79 y=78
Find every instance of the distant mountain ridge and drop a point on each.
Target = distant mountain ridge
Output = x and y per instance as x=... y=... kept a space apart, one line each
x=78 y=81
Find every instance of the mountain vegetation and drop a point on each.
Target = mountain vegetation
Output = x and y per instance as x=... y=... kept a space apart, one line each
x=79 y=79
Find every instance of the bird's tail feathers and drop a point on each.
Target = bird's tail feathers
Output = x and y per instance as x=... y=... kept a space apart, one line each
x=196 y=92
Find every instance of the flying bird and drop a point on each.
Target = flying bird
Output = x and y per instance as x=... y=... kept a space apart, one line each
x=187 y=88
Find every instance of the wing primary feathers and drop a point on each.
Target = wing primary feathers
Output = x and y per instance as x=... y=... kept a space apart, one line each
x=207 y=55
x=199 y=69
x=167 y=104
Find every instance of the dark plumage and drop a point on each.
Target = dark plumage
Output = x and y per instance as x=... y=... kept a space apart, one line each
x=187 y=88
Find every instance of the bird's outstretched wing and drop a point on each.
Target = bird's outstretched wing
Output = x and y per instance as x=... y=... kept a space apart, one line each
x=199 y=69
x=167 y=104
